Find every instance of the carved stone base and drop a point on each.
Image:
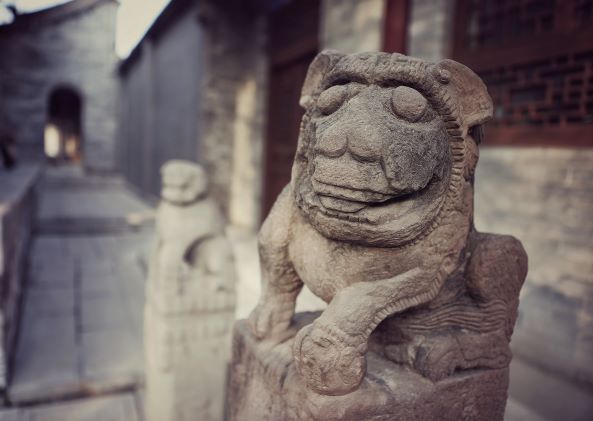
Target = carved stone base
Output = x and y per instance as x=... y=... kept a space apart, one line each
x=264 y=386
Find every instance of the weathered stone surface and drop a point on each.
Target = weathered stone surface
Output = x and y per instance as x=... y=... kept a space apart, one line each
x=378 y=222
x=190 y=302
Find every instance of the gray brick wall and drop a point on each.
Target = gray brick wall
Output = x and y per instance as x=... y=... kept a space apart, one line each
x=77 y=51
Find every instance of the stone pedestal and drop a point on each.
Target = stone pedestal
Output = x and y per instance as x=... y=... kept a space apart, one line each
x=265 y=387
x=186 y=365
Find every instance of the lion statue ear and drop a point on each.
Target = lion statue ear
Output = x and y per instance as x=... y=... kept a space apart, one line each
x=318 y=68
x=473 y=100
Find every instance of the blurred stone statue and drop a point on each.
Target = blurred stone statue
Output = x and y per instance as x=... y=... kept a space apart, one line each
x=378 y=222
x=190 y=301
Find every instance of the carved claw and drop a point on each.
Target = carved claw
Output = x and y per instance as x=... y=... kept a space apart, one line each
x=328 y=365
x=267 y=318
x=437 y=362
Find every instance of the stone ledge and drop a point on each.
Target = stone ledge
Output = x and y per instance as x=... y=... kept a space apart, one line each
x=15 y=184
x=17 y=208
x=92 y=225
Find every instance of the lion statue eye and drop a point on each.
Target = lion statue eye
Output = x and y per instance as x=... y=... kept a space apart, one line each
x=331 y=99
x=408 y=103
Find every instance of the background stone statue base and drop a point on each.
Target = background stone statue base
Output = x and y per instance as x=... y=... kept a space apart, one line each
x=186 y=365
x=265 y=386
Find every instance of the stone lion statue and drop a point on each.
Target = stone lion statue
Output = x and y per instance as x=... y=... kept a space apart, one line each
x=378 y=221
x=190 y=228
x=190 y=301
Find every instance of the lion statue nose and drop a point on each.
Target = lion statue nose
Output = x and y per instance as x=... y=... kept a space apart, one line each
x=361 y=141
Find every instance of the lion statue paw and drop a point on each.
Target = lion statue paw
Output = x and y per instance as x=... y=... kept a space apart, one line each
x=329 y=365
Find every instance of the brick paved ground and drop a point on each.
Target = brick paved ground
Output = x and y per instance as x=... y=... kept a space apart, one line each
x=81 y=324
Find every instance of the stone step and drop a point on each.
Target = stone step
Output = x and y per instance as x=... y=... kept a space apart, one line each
x=516 y=411
x=547 y=395
x=91 y=226
x=114 y=408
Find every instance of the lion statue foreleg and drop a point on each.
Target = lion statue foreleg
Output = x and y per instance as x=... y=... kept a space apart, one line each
x=330 y=353
x=280 y=283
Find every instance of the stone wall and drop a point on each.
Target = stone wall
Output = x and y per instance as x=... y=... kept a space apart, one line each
x=430 y=27
x=17 y=206
x=233 y=112
x=77 y=51
x=544 y=197
x=352 y=26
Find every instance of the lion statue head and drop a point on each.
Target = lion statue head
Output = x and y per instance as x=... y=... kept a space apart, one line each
x=183 y=182
x=386 y=143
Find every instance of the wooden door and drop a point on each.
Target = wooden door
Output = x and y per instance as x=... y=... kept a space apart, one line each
x=293 y=35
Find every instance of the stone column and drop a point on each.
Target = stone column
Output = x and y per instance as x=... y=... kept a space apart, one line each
x=378 y=222
x=190 y=302
x=430 y=29
x=352 y=26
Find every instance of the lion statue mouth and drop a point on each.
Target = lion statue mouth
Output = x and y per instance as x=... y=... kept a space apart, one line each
x=368 y=206
x=377 y=158
x=336 y=200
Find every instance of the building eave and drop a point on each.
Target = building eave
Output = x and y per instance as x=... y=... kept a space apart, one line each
x=52 y=15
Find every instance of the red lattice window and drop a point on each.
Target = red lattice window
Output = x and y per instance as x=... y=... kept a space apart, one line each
x=536 y=56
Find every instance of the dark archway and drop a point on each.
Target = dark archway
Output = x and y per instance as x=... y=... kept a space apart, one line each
x=63 y=136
